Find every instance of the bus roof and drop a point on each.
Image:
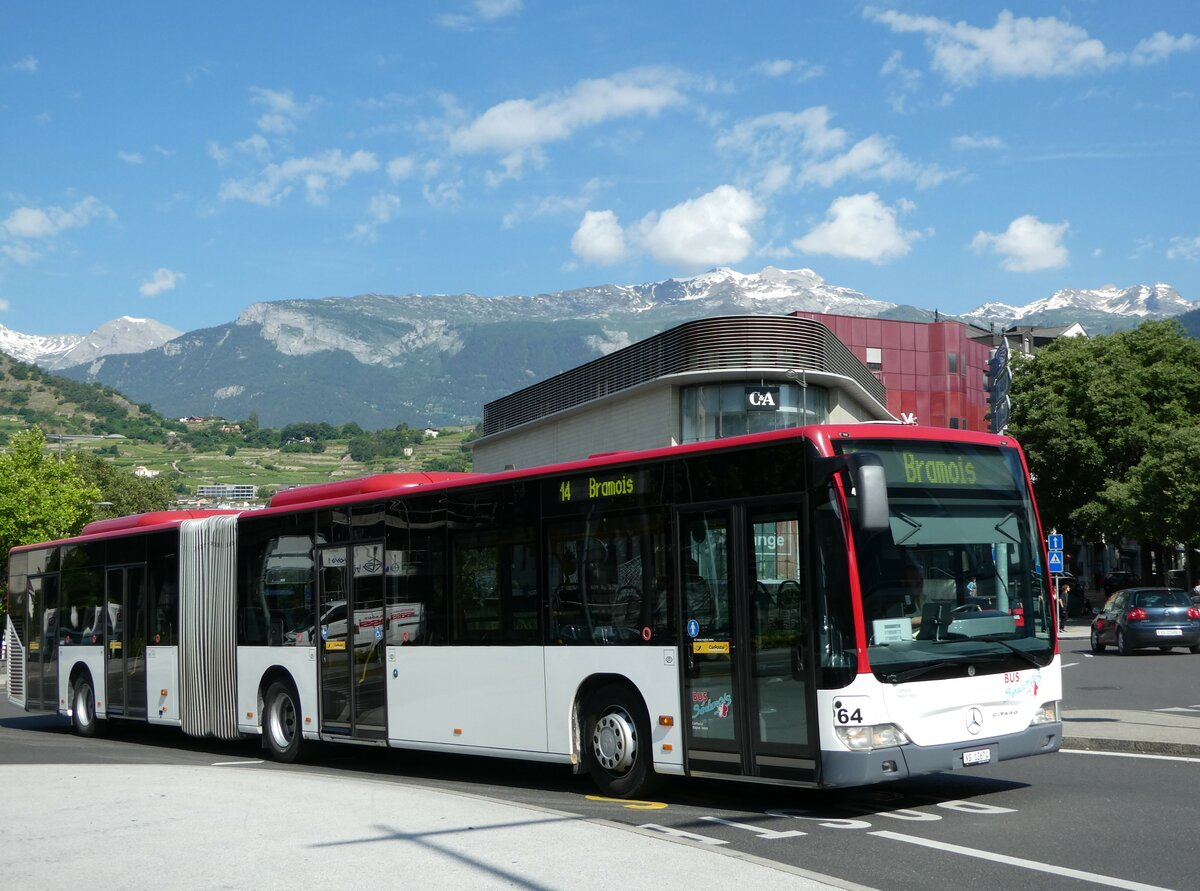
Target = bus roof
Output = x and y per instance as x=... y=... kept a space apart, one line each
x=153 y=521
x=380 y=482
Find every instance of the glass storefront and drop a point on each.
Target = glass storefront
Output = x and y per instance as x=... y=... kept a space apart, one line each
x=716 y=411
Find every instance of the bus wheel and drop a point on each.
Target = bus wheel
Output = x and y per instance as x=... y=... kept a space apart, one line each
x=281 y=723
x=616 y=742
x=83 y=707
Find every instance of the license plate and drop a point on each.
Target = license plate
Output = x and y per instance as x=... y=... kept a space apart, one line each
x=1169 y=632
x=979 y=756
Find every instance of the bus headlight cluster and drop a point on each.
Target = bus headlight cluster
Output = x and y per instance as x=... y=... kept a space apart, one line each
x=1047 y=713
x=875 y=736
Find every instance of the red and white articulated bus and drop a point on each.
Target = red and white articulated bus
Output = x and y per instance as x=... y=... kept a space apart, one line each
x=822 y=606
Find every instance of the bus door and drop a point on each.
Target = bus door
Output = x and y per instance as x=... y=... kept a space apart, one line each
x=749 y=677
x=125 y=648
x=350 y=639
x=41 y=642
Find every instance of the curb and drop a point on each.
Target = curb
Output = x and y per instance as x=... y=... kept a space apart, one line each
x=1130 y=746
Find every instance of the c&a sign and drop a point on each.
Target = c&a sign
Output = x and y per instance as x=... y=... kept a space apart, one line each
x=762 y=398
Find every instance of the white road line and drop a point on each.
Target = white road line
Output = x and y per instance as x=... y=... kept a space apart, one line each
x=234 y=763
x=1178 y=708
x=1185 y=758
x=1089 y=877
x=1069 y=664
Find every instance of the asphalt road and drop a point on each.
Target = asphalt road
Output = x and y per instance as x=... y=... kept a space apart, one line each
x=1071 y=820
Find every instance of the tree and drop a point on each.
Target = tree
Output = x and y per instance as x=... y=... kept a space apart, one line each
x=42 y=497
x=122 y=493
x=1109 y=428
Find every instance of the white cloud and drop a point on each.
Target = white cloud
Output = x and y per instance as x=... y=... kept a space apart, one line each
x=1160 y=46
x=381 y=209
x=19 y=253
x=784 y=141
x=133 y=158
x=317 y=173
x=1013 y=47
x=4 y=305
x=711 y=230
x=1184 y=248
x=599 y=238
x=873 y=158
x=282 y=113
x=447 y=193
x=859 y=227
x=784 y=133
x=553 y=205
x=36 y=222
x=970 y=141
x=781 y=67
x=481 y=11
x=29 y=65
x=515 y=129
x=1028 y=245
x=400 y=168
x=903 y=81
x=162 y=280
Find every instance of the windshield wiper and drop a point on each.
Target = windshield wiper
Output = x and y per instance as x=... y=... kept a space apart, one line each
x=901 y=676
x=1028 y=657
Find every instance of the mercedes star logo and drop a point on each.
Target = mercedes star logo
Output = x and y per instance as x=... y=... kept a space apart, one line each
x=974 y=721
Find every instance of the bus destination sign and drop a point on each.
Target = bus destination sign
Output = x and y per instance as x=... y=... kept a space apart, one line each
x=600 y=487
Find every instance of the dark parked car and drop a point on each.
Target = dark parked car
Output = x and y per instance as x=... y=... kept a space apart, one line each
x=1147 y=617
x=1118 y=580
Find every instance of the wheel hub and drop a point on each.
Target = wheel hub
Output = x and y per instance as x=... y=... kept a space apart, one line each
x=614 y=741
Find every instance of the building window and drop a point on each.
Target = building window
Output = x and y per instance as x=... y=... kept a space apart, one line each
x=716 y=411
x=875 y=358
x=953 y=362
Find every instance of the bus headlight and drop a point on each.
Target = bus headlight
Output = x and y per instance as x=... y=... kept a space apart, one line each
x=1047 y=713
x=875 y=736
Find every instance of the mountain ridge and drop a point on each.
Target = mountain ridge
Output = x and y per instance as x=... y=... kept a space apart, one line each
x=379 y=359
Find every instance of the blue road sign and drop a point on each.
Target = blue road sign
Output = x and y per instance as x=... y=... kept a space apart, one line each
x=1056 y=561
x=1054 y=541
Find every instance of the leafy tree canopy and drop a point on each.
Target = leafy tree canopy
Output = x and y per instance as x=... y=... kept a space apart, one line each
x=42 y=497
x=123 y=492
x=1111 y=428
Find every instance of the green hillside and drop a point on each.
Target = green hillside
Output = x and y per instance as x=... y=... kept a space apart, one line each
x=95 y=418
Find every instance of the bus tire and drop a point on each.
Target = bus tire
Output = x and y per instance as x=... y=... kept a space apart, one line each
x=616 y=742
x=282 y=733
x=83 y=707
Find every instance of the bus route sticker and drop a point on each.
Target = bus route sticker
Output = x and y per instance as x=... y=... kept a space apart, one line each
x=693 y=628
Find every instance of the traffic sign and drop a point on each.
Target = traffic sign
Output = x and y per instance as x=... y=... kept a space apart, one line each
x=1056 y=561
x=1054 y=541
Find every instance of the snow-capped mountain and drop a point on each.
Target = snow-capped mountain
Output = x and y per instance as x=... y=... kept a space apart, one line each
x=123 y=335
x=1159 y=301
x=378 y=359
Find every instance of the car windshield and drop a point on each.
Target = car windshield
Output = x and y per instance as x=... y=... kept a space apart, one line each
x=954 y=585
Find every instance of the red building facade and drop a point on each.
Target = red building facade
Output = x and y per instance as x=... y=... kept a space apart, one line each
x=933 y=371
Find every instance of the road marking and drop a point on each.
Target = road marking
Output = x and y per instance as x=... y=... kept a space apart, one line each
x=630 y=803
x=1069 y=664
x=758 y=830
x=1188 y=709
x=1184 y=758
x=679 y=833
x=234 y=763
x=1090 y=877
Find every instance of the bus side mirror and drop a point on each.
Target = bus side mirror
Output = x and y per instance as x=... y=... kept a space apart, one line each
x=870 y=485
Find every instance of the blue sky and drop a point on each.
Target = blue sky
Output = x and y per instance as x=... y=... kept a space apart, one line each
x=182 y=161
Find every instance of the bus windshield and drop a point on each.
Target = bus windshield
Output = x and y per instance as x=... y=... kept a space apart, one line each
x=954 y=585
